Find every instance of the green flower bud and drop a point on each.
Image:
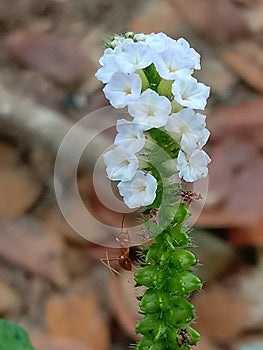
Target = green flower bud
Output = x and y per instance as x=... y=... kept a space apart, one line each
x=181 y=313
x=195 y=336
x=191 y=282
x=154 y=300
x=180 y=258
x=165 y=88
x=149 y=325
x=149 y=276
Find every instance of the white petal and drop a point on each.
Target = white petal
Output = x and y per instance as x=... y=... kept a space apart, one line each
x=140 y=191
x=150 y=110
x=120 y=165
x=109 y=67
x=193 y=166
x=122 y=89
x=189 y=52
x=171 y=64
x=188 y=128
x=189 y=93
x=130 y=136
x=137 y=56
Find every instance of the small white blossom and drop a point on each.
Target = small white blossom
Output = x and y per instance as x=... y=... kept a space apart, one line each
x=109 y=66
x=136 y=56
x=159 y=42
x=150 y=110
x=189 y=52
x=140 y=191
x=122 y=43
x=193 y=166
x=189 y=93
x=129 y=136
x=120 y=164
x=140 y=36
x=188 y=128
x=123 y=89
x=172 y=64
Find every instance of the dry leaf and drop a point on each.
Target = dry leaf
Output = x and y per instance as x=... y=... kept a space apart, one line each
x=77 y=318
x=42 y=341
x=18 y=190
x=221 y=316
x=246 y=60
x=157 y=16
x=248 y=235
x=204 y=344
x=24 y=241
x=219 y=20
x=10 y=302
x=62 y=61
x=124 y=302
x=250 y=287
x=234 y=197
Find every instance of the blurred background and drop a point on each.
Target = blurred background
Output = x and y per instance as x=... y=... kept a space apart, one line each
x=51 y=279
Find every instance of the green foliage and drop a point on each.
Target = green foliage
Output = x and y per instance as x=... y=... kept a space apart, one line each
x=165 y=141
x=152 y=76
x=13 y=337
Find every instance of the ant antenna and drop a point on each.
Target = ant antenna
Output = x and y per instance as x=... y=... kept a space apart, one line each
x=106 y=262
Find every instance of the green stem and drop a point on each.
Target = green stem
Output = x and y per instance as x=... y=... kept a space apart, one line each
x=167 y=271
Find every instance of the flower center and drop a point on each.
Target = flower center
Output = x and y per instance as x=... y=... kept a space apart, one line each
x=150 y=112
x=128 y=90
x=184 y=129
x=126 y=162
x=171 y=69
x=140 y=186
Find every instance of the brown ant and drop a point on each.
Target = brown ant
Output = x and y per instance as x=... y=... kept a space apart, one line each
x=129 y=255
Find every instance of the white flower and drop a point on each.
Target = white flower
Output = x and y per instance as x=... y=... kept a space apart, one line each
x=109 y=66
x=120 y=164
x=188 y=128
x=122 y=43
x=203 y=138
x=193 y=166
x=139 y=37
x=189 y=93
x=123 y=89
x=140 y=191
x=189 y=52
x=150 y=110
x=129 y=136
x=172 y=64
x=136 y=56
x=158 y=42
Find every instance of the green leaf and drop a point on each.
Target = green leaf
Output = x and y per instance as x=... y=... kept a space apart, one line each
x=165 y=141
x=152 y=76
x=13 y=337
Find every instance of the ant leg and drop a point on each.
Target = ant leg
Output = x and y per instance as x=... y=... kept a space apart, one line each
x=106 y=262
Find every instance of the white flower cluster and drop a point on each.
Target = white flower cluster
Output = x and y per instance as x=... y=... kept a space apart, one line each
x=152 y=76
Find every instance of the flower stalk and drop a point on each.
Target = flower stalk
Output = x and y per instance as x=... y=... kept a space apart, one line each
x=154 y=152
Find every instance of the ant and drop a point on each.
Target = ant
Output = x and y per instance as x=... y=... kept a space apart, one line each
x=129 y=255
